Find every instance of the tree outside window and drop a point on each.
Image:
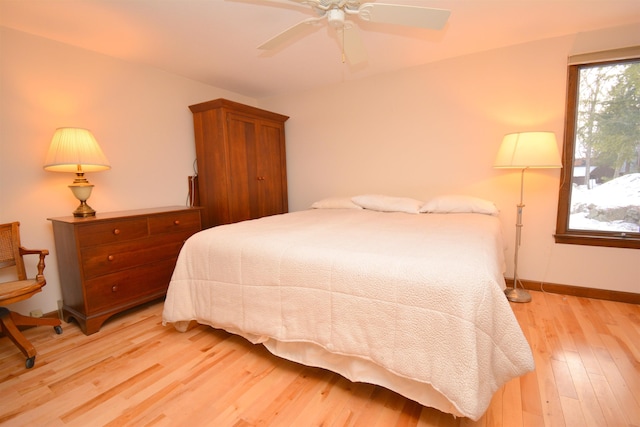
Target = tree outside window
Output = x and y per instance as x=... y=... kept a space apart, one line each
x=599 y=201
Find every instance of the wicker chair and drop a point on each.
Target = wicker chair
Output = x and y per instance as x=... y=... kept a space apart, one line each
x=11 y=255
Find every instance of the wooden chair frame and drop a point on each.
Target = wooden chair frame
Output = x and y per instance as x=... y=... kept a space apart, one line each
x=11 y=255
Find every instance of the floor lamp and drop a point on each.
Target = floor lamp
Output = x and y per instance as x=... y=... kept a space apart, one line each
x=525 y=150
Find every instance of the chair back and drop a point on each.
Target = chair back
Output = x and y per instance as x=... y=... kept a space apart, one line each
x=10 y=248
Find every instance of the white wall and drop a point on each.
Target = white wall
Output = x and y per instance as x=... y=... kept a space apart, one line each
x=437 y=128
x=139 y=115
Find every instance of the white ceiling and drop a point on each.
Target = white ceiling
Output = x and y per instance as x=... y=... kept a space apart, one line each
x=214 y=41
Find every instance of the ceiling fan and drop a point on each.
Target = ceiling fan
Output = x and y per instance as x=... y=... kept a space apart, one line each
x=336 y=12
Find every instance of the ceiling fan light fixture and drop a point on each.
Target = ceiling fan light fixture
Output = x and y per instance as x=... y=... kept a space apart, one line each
x=335 y=17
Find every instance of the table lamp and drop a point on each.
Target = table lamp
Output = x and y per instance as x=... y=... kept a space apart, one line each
x=76 y=150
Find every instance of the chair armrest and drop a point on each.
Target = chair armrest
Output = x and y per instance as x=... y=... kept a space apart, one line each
x=43 y=253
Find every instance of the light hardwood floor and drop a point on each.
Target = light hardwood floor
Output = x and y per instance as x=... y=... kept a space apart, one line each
x=137 y=372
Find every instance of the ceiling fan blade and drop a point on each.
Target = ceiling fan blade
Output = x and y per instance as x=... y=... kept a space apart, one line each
x=412 y=16
x=290 y=33
x=352 y=46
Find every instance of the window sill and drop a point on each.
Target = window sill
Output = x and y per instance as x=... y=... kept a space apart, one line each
x=629 y=242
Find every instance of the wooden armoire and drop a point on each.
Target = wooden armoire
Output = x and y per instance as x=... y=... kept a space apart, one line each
x=241 y=162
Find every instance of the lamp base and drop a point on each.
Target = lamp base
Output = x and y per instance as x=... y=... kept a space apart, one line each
x=82 y=190
x=517 y=295
x=84 y=210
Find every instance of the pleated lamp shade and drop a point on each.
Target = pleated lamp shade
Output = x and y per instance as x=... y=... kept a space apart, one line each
x=74 y=149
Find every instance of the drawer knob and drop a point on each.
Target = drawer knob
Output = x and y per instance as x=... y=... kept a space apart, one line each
x=110 y=257
x=116 y=231
x=176 y=222
x=114 y=288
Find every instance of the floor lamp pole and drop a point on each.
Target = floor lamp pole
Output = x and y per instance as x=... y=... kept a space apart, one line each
x=516 y=294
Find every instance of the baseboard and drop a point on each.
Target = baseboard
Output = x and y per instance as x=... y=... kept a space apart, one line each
x=578 y=291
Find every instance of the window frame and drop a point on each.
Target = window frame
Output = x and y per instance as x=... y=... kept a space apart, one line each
x=563 y=233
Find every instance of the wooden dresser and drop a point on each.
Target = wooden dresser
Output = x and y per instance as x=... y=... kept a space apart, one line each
x=118 y=260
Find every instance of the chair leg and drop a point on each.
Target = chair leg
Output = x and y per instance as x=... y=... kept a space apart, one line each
x=22 y=320
x=9 y=329
x=9 y=321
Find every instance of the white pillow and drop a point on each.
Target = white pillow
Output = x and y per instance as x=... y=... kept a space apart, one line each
x=453 y=203
x=377 y=202
x=335 y=203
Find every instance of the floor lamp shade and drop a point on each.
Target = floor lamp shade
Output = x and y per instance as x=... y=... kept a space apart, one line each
x=523 y=151
x=76 y=150
x=528 y=150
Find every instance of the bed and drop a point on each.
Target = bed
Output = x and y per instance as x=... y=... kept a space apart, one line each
x=399 y=296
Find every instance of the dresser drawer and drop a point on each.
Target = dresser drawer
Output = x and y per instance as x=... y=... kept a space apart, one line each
x=125 y=286
x=106 y=259
x=174 y=222
x=112 y=232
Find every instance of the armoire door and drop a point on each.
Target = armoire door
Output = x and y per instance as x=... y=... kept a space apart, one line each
x=271 y=170
x=243 y=179
x=257 y=168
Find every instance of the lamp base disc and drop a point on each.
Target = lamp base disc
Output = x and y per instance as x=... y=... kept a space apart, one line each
x=517 y=295
x=84 y=210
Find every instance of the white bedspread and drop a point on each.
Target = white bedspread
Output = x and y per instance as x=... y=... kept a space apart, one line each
x=414 y=303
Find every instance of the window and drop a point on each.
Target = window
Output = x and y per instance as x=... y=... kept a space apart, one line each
x=599 y=202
